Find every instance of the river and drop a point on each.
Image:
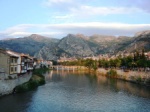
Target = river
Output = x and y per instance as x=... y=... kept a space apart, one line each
x=80 y=92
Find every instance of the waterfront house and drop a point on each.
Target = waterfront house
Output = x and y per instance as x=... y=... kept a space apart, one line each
x=30 y=63
x=26 y=63
x=10 y=62
x=35 y=62
x=15 y=63
x=47 y=63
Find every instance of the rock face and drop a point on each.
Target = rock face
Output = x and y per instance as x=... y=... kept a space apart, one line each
x=77 y=45
x=69 y=46
x=140 y=41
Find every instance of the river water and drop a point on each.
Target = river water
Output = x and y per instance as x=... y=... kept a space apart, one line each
x=80 y=92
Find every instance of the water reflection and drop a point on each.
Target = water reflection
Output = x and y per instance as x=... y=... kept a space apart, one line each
x=120 y=85
x=102 y=81
x=16 y=102
x=80 y=92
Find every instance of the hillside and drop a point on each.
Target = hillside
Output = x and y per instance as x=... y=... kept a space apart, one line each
x=77 y=45
x=29 y=45
x=69 y=46
x=140 y=41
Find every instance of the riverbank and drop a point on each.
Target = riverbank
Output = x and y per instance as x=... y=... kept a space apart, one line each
x=36 y=80
x=139 y=77
x=7 y=86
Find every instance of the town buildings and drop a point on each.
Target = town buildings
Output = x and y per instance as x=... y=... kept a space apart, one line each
x=14 y=63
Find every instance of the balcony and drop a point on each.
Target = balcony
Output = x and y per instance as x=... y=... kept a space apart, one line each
x=23 y=71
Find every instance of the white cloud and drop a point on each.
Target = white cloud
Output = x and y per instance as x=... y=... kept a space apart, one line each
x=78 y=10
x=90 y=10
x=19 y=34
x=50 y=2
x=141 y=4
x=59 y=4
x=63 y=16
x=60 y=30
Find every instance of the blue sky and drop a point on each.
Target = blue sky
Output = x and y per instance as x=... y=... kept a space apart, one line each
x=57 y=18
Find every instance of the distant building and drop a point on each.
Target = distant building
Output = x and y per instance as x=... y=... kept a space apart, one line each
x=147 y=55
x=63 y=59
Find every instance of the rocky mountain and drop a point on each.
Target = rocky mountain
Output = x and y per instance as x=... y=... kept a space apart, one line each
x=29 y=45
x=109 y=44
x=140 y=41
x=77 y=45
x=69 y=46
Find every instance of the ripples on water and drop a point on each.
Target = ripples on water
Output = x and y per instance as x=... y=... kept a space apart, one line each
x=80 y=92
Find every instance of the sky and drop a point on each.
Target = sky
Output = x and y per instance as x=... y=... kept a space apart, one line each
x=57 y=18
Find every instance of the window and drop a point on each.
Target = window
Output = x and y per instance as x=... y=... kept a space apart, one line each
x=12 y=69
x=22 y=67
x=15 y=60
x=15 y=69
x=11 y=60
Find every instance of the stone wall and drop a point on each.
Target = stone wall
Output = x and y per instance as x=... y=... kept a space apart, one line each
x=129 y=76
x=7 y=86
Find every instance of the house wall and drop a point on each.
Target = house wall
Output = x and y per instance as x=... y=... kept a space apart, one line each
x=4 y=62
x=13 y=65
x=19 y=65
x=23 y=64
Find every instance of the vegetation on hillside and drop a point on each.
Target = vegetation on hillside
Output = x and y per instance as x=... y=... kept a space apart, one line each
x=137 y=61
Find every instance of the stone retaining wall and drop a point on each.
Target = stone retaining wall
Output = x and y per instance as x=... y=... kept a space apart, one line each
x=129 y=76
x=7 y=86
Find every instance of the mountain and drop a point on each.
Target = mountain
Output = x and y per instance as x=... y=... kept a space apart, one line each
x=140 y=41
x=29 y=45
x=69 y=46
x=77 y=45
x=109 y=44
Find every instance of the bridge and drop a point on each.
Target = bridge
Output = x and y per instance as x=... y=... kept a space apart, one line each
x=67 y=68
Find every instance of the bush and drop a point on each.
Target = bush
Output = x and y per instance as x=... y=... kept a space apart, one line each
x=139 y=79
x=36 y=80
x=112 y=73
x=9 y=77
x=33 y=83
x=148 y=81
x=40 y=71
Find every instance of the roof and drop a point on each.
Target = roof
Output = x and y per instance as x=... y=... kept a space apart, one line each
x=11 y=53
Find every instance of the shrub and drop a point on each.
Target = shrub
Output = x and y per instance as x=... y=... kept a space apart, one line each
x=148 y=81
x=139 y=79
x=112 y=73
x=9 y=77
x=36 y=80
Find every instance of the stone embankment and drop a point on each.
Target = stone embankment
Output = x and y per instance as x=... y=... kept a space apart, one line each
x=141 y=77
x=7 y=85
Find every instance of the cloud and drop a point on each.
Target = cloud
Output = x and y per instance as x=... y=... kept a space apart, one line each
x=59 y=5
x=51 y=2
x=141 y=4
x=90 y=10
x=73 y=10
x=61 y=30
